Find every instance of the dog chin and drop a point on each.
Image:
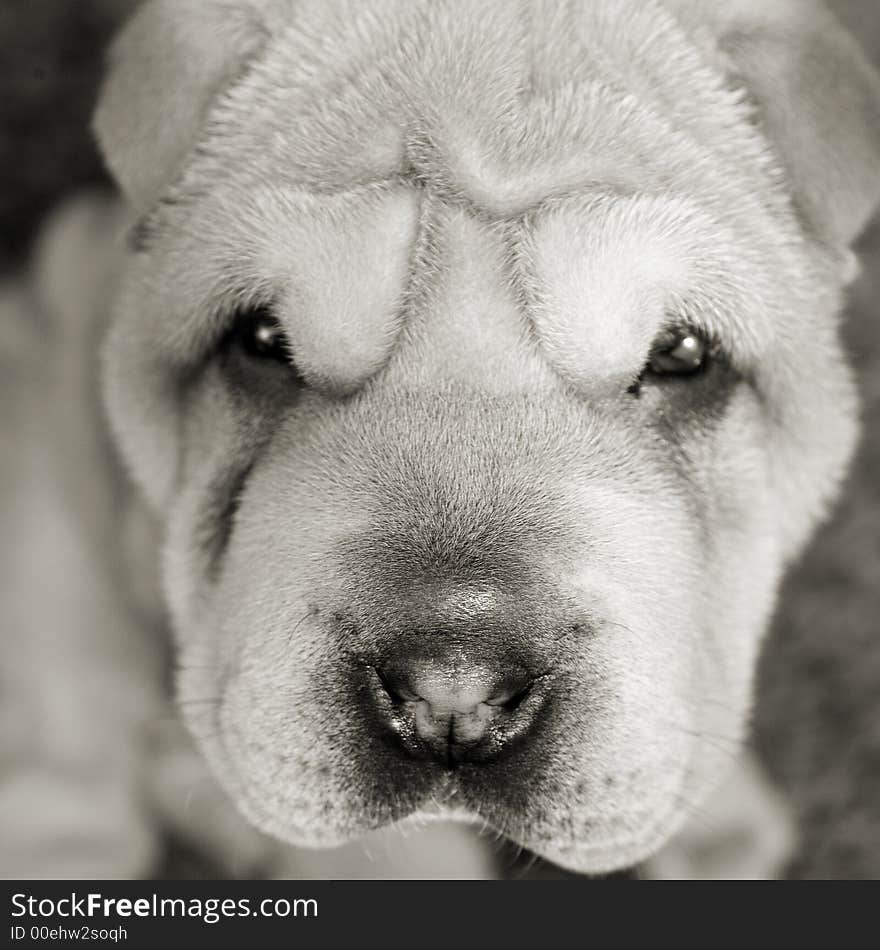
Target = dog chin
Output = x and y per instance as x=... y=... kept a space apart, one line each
x=607 y=857
x=606 y=854
x=598 y=859
x=613 y=856
x=442 y=814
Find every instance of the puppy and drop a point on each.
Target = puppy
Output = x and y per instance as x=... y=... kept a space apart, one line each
x=480 y=362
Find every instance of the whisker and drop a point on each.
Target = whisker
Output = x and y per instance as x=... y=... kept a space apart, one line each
x=296 y=627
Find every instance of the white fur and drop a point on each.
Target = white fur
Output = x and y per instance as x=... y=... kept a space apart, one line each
x=585 y=176
x=473 y=219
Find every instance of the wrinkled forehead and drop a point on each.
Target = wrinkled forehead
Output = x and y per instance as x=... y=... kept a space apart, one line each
x=502 y=105
x=524 y=155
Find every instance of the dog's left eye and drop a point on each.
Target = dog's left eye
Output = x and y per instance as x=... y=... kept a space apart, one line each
x=681 y=354
x=677 y=354
x=260 y=335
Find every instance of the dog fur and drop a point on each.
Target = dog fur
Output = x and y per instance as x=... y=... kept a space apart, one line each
x=473 y=221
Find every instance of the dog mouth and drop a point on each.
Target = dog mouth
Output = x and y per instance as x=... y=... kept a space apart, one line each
x=451 y=800
x=505 y=790
x=482 y=715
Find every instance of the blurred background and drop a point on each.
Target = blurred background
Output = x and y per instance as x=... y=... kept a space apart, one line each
x=818 y=719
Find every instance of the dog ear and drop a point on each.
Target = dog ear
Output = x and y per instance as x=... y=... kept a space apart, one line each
x=165 y=68
x=817 y=99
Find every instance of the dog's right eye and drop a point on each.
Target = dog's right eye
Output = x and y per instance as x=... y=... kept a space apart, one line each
x=261 y=336
x=257 y=358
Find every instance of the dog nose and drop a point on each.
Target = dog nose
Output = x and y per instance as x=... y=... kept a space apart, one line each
x=456 y=711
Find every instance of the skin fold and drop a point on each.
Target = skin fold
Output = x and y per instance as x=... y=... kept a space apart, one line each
x=474 y=225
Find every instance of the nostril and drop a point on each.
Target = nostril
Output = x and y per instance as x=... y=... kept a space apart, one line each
x=397 y=691
x=393 y=695
x=514 y=701
x=401 y=689
x=515 y=693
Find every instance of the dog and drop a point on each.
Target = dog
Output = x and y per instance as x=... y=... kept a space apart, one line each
x=479 y=363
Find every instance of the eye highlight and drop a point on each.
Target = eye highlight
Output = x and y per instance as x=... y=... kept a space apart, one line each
x=261 y=336
x=682 y=354
x=676 y=355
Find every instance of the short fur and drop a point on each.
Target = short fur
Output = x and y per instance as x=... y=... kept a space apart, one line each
x=473 y=220
x=493 y=209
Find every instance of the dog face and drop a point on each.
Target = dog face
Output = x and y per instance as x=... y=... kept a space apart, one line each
x=482 y=364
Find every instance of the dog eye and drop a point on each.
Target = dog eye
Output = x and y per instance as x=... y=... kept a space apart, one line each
x=260 y=335
x=682 y=354
x=677 y=354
